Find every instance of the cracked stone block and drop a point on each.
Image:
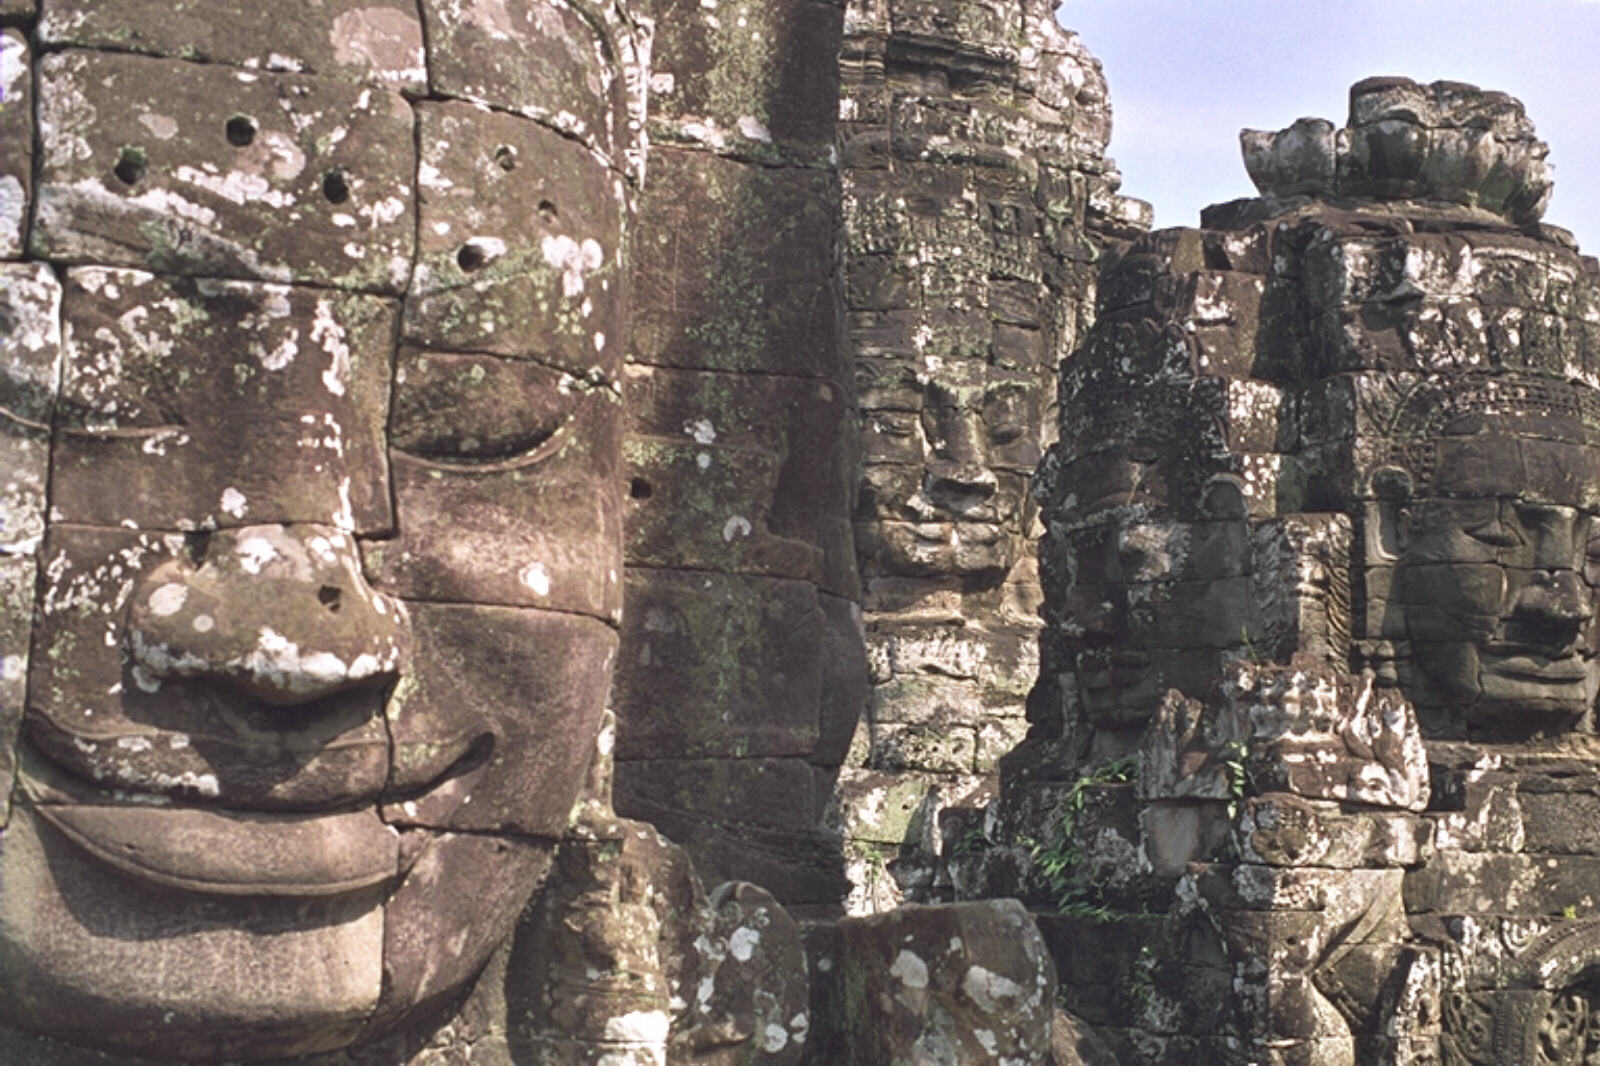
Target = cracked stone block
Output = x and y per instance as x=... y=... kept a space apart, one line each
x=548 y=62
x=201 y=169
x=719 y=665
x=198 y=403
x=16 y=132
x=376 y=41
x=520 y=243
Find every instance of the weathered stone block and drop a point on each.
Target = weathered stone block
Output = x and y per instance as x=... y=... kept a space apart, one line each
x=16 y=132
x=17 y=576
x=519 y=243
x=529 y=508
x=879 y=807
x=968 y=983
x=490 y=726
x=1456 y=882
x=742 y=419
x=158 y=429
x=548 y=62
x=376 y=41
x=936 y=749
x=203 y=170
x=756 y=817
x=783 y=103
x=733 y=270
x=718 y=665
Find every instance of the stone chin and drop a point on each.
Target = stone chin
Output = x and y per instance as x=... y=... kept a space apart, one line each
x=185 y=956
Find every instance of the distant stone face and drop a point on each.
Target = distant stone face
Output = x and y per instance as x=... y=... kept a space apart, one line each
x=1318 y=661
x=311 y=531
x=976 y=195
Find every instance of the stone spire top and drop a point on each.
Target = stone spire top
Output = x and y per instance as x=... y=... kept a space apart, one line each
x=1446 y=141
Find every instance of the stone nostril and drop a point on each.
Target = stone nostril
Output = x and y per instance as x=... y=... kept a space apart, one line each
x=330 y=596
x=196 y=546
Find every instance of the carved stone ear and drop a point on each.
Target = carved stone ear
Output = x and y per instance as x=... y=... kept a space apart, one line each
x=1385 y=524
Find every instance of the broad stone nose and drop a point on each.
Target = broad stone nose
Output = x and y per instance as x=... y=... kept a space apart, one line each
x=279 y=612
x=1556 y=597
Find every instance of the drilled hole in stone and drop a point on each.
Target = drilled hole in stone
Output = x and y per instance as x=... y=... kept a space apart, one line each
x=470 y=258
x=639 y=489
x=334 y=187
x=241 y=130
x=131 y=166
x=197 y=545
x=547 y=211
x=330 y=597
x=506 y=157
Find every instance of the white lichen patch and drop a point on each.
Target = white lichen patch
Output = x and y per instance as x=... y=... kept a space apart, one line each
x=736 y=526
x=326 y=331
x=168 y=599
x=537 y=578
x=910 y=970
x=743 y=942
x=233 y=502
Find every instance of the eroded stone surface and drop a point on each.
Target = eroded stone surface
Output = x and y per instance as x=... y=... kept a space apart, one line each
x=963 y=983
x=204 y=170
x=376 y=41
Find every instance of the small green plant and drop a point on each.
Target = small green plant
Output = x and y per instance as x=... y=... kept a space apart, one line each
x=1057 y=857
x=1569 y=911
x=1141 y=981
x=972 y=843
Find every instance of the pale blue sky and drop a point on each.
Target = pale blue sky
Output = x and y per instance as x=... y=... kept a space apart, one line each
x=1187 y=75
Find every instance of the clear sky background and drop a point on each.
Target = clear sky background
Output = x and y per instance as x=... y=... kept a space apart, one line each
x=1187 y=75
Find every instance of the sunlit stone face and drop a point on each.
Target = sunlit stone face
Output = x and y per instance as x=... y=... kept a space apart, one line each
x=327 y=585
x=949 y=458
x=1494 y=581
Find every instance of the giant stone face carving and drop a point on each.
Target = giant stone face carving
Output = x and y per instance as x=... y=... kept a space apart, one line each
x=1488 y=522
x=329 y=579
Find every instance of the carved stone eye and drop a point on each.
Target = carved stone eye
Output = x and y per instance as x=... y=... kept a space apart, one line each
x=478 y=409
